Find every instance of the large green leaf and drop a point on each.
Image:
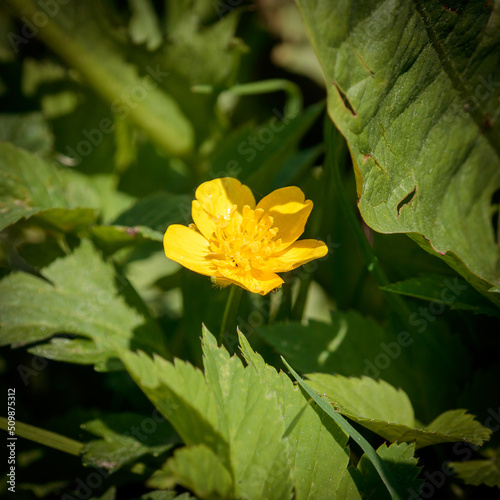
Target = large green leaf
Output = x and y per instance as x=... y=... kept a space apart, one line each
x=353 y=345
x=317 y=446
x=413 y=87
x=90 y=48
x=230 y=414
x=82 y=295
x=387 y=411
x=30 y=186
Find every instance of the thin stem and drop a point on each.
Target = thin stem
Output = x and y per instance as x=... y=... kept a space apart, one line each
x=300 y=302
x=44 y=437
x=292 y=90
x=231 y=312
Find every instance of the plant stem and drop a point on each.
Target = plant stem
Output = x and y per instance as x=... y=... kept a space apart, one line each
x=231 y=312
x=44 y=437
x=114 y=79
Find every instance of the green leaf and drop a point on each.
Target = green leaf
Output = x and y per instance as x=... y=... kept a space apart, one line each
x=353 y=345
x=402 y=66
x=113 y=238
x=441 y=289
x=144 y=24
x=385 y=474
x=387 y=411
x=87 y=46
x=157 y=211
x=350 y=485
x=317 y=446
x=199 y=469
x=28 y=131
x=203 y=54
x=260 y=463
x=230 y=410
x=30 y=186
x=82 y=297
x=478 y=472
x=399 y=459
x=126 y=437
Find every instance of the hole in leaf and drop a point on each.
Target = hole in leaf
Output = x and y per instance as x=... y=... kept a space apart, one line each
x=345 y=99
x=407 y=199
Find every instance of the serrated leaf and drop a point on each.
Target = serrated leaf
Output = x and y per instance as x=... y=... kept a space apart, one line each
x=126 y=437
x=387 y=411
x=478 y=472
x=231 y=411
x=399 y=459
x=29 y=186
x=82 y=298
x=353 y=345
x=399 y=65
x=317 y=446
x=199 y=469
x=453 y=292
x=250 y=419
x=203 y=54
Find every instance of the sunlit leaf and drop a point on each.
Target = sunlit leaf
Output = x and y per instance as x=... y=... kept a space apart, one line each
x=84 y=297
x=387 y=411
x=413 y=86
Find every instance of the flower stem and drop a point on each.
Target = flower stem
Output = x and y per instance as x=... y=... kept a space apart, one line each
x=231 y=312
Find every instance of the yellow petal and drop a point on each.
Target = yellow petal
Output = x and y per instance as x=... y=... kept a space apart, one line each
x=189 y=248
x=290 y=210
x=295 y=255
x=254 y=280
x=217 y=198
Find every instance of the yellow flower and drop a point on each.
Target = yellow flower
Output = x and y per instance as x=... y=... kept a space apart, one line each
x=237 y=242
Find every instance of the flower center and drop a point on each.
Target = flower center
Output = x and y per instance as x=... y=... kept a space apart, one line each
x=244 y=240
